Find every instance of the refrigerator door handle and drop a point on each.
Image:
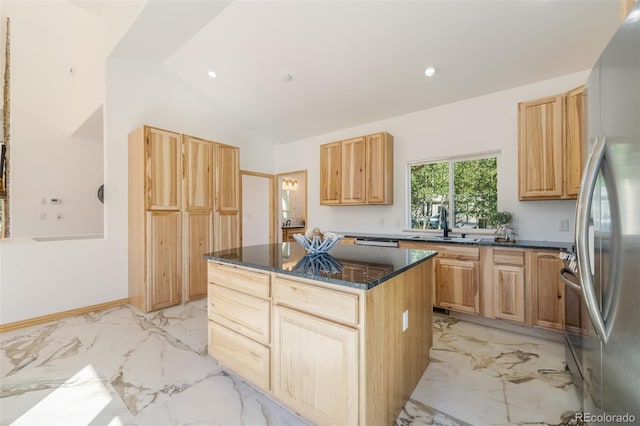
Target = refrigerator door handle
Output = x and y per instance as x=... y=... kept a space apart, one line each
x=585 y=197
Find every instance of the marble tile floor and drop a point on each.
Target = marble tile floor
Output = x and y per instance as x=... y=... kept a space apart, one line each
x=118 y=367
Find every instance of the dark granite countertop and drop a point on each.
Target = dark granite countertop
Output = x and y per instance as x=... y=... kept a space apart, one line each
x=483 y=240
x=361 y=267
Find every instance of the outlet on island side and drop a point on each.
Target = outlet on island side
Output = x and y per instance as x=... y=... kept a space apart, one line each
x=405 y=320
x=563 y=225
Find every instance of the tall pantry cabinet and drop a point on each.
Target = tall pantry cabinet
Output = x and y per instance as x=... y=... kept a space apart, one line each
x=177 y=188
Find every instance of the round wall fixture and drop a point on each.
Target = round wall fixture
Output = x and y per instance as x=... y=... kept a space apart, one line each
x=101 y=193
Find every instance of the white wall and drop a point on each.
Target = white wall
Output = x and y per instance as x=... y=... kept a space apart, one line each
x=47 y=40
x=481 y=124
x=39 y=278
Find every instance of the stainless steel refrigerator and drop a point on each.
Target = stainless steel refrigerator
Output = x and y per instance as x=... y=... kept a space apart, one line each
x=608 y=231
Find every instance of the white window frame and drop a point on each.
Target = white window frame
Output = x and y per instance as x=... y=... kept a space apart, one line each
x=451 y=214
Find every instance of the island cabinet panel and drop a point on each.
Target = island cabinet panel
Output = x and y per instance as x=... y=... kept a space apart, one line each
x=240 y=354
x=395 y=359
x=244 y=314
x=239 y=312
x=316 y=367
x=325 y=303
x=334 y=354
x=240 y=279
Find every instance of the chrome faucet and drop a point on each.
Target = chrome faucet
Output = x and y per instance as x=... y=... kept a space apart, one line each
x=288 y=222
x=444 y=222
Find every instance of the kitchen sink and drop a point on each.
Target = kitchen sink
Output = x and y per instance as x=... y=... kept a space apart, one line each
x=441 y=238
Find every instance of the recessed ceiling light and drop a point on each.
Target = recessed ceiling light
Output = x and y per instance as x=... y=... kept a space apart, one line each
x=211 y=74
x=430 y=71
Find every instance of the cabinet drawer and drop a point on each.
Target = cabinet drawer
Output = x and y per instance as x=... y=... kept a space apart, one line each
x=451 y=251
x=240 y=312
x=245 y=357
x=508 y=256
x=322 y=302
x=239 y=279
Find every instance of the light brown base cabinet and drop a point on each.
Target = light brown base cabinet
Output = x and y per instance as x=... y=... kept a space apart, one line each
x=334 y=354
x=518 y=285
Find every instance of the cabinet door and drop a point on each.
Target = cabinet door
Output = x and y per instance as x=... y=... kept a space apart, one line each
x=330 y=173
x=227 y=179
x=573 y=142
x=378 y=166
x=457 y=285
x=164 y=171
x=509 y=292
x=540 y=144
x=164 y=259
x=316 y=367
x=548 y=290
x=198 y=242
x=198 y=173
x=353 y=171
x=226 y=220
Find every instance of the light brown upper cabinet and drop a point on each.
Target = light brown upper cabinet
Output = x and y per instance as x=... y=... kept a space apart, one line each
x=330 y=173
x=184 y=201
x=163 y=157
x=549 y=147
x=353 y=171
x=357 y=171
x=574 y=135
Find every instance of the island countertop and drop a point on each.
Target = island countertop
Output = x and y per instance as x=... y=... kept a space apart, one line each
x=348 y=265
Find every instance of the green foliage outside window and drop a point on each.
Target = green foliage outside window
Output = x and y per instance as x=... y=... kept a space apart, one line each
x=474 y=197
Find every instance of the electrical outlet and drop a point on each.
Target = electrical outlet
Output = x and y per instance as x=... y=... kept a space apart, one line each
x=381 y=221
x=405 y=320
x=43 y=216
x=563 y=225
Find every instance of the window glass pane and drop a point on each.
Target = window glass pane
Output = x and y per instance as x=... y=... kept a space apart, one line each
x=429 y=191
x=475 y=192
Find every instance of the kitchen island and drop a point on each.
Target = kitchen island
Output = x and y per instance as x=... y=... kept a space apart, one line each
x=339 y=339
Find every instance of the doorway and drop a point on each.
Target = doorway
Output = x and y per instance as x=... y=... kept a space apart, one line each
x=291 y=200
x=258 y=208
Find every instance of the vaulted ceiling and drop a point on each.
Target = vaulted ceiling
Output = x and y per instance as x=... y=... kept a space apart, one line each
x=353 y=62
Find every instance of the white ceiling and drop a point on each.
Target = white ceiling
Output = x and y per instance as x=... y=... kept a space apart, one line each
x=355 y=62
